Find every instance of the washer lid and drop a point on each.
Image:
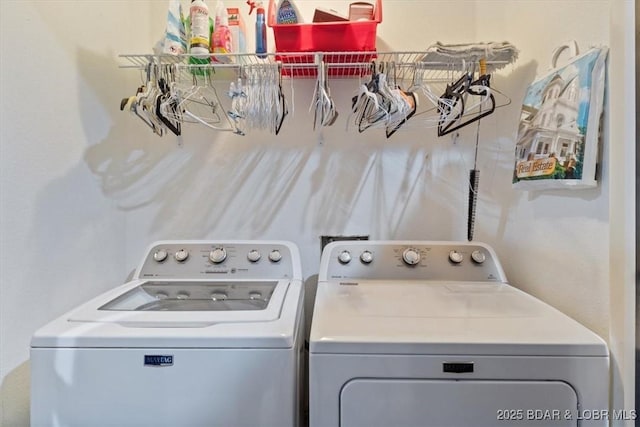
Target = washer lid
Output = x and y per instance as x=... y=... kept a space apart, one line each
x=177 y=314
x=194 y=296
x=179 y=303
x=411 y=317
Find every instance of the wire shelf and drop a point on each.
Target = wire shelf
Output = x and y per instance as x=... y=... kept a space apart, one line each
x=404 y=65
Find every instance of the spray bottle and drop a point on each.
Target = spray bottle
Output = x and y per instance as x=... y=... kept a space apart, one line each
x=261 y=28
x=221 y=39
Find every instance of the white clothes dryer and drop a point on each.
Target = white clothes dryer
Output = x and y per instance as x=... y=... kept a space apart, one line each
x=208 y=333
x=430 y=334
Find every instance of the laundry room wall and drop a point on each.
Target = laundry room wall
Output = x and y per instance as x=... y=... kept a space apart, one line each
x=62 y=232
x=86 y=188
x=303 y=184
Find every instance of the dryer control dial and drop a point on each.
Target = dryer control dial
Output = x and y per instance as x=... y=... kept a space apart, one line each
x=366 y=257
x=411 y=256
x=455 y=257
x=344 y=257
x=478 y=257
x=160 y=255
x=275 y=255
x=218 y=255
x=254 y=255
x=181 y=255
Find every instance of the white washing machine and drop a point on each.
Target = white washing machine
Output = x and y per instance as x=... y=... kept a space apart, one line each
x=206 y=334
x=430 y=334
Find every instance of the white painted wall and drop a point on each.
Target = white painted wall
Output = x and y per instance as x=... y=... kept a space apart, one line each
x=90 y=181
x=62 y=233
x=622 y=272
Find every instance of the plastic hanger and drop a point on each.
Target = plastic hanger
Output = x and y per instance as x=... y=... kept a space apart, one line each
x=375 y=114
x=412 y=103
x=325 y=113
x=265 y=105
x=404 y=106
x=144 y=105
x=282 y=110
x=447 y=108
x=464 y=86
x=165 y=102
x=200 y=104
x=237 y=113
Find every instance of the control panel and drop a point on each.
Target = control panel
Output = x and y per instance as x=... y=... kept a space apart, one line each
x=224 y=259
x=410 y=260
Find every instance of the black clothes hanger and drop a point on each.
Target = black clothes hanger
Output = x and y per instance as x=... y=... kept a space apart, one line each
x=165 y=96
x=282 y=101
x=453 y=102
x=411 y=100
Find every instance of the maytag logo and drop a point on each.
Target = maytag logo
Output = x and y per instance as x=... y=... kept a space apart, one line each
x=158 y=360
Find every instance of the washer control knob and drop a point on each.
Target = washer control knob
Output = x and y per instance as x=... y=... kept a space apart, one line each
x=275 y=255
x=218 y=255
x=254 y=255
x=455 y=257
x=411 y=256
x=344 y=257
x=478 y=257
x=366 y=257
x=181 y=255
x=160 y=255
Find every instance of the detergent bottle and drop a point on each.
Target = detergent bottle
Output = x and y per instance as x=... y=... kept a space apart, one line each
x=287 y=13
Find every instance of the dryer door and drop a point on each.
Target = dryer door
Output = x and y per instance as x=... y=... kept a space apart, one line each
x=461 y=403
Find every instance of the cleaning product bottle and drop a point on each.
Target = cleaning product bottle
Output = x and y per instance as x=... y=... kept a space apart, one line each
x=200 y=34
x=238 y=30
x=287 y=13
x=261 y=33
x=221 y=39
